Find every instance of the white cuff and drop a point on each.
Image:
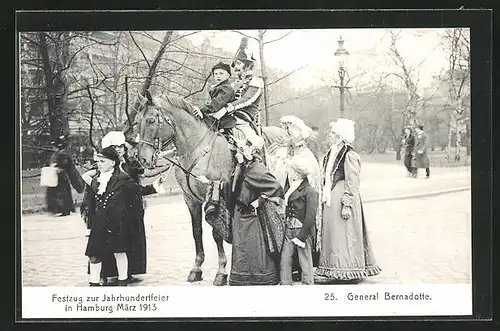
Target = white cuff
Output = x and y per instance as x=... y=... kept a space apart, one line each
x=87 y=179
x=158 y=188
x=255 y=204
x=299 y=242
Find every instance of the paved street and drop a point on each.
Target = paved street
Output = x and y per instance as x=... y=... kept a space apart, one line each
x=420 y=240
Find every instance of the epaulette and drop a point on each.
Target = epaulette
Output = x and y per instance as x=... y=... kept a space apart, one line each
x=257 y=82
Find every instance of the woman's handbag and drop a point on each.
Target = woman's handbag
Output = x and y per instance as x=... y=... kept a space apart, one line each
x=48 y=177
x=271 y=213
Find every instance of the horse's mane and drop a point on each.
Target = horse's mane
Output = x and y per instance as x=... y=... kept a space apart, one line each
x=176 y=102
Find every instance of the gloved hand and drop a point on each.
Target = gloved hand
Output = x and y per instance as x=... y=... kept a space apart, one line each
x=197 y=112
x=346 y=212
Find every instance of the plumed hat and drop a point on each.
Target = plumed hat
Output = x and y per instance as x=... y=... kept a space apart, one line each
x=298 y=123
x=344 y=128
x=223 y=66
x=243 y=53
x=110 y=154
x=113 y=138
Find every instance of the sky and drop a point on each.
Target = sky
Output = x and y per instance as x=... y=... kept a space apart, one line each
x=368 y=52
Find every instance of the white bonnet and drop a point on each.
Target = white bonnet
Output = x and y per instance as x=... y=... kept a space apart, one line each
x=113 y=138
x=344 y=128
x=304 y=164
x=298 y=123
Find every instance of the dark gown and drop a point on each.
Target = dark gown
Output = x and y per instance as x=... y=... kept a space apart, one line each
x=252 y=263
x=59 y=199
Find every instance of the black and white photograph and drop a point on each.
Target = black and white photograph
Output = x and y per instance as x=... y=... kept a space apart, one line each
x=160 y=166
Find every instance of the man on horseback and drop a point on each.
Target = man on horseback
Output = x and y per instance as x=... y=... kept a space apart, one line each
x=248 y=91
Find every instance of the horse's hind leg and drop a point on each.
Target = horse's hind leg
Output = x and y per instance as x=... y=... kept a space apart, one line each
x=195 y=211
x=221 y=276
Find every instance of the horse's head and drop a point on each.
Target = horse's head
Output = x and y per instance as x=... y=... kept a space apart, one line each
x=155 y=131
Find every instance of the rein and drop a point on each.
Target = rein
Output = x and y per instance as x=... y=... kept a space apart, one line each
x=158 y=146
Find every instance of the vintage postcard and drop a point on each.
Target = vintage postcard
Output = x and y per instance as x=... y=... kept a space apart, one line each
x=274 y=172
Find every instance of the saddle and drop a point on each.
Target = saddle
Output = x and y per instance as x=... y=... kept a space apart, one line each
x=226 y=125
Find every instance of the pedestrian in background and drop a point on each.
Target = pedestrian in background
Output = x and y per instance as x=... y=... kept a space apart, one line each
x=420 y=157
x=59 y=198
x=409 y=145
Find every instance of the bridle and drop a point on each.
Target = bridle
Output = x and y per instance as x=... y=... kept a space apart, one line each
x=158 y=146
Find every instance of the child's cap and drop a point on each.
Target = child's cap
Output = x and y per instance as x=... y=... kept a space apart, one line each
x=223 y=66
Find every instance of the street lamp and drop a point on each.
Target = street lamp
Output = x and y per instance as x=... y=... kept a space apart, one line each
x=342 y=53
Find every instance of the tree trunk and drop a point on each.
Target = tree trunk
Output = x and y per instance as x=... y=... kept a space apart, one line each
x=458 y=145
x=264 y=76
x=450 y=136
x=151 y=74
x=398 y=152
x=55 y=90
x=467 y=130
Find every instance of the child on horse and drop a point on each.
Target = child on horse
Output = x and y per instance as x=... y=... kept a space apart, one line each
x=221 y=93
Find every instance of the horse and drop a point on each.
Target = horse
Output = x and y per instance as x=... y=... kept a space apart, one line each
x=201 y=151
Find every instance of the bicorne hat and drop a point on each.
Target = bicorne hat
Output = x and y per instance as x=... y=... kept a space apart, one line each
x=243 y=53
x=223 y=66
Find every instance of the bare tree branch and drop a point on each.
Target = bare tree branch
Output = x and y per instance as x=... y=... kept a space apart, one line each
x=245 y=35
x=272 y=41
x=185 y=35
x=140 y=49
x=285 y=76
x=304 y=96
x=200 y=90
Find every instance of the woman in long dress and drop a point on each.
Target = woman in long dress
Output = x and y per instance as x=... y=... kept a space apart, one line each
x=255 y=260
x=59 y=199
x=345 y=249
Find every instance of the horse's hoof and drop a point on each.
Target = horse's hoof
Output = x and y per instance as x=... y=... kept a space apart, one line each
x=195 y=276
x=220 y=279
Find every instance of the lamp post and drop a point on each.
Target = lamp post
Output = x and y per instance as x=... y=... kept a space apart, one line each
x=342 y=53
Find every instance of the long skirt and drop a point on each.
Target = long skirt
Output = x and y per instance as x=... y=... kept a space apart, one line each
x=59 y=198
x=345 y=252
x=250 y=262
x=421 y=161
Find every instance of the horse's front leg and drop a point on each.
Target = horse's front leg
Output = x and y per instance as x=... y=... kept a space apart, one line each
x=221 y=276
x=195 y=275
